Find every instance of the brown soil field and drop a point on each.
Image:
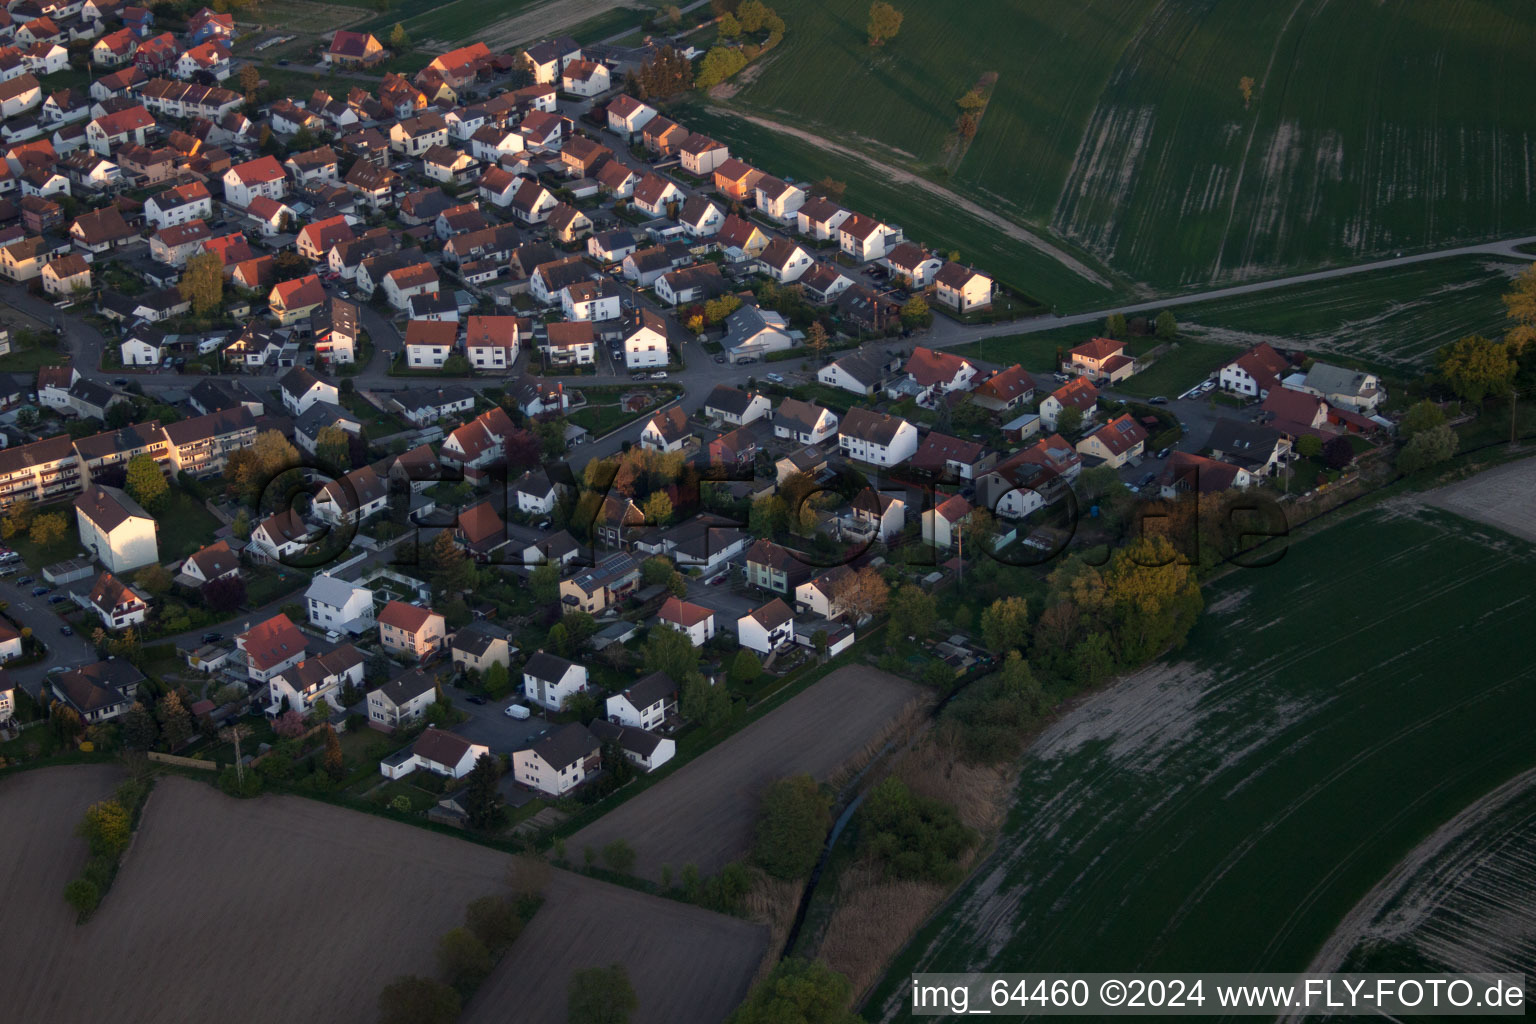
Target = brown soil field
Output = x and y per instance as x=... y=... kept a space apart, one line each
x=703 y=814
x=39 y=853
x=686 y=964
x=285 y=909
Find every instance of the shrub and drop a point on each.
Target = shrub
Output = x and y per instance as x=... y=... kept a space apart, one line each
x=463 y=959
x=83 y=895
x=913 y=837
x=792 y=824
x=413 y=1000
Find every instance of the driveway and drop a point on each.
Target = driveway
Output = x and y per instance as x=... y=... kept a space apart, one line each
x=489 y=724
x=39 y=615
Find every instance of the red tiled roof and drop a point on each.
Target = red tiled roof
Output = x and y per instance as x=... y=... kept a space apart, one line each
x=406 y=617
x=272 y=642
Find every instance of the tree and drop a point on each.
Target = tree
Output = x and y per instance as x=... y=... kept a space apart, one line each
x=558 y=638
x=1069 y=422
x=498 y=681
x=399 y=39
x=862 y=594
x=755 y=16
x=413 y=1000
x=884 y=22
x=452 y=570
x=728 y=27
x=224 y=594
x=331 y=759
x=657 y=508
x=544 y=582
x=792 y=823
x=716 y=310
x=767 y=516
x=140 y=731
x=482 y=801
x=719 y=64
x=241 y=527
x=463 y=960
x=669 y=650
x=830 y=188
x=1338 y=452
x=202 y=283
x=600 y=995
x=333 y=448
x=913 y=611
x=1167 y=326
x=798 y=992
x=1245 y=86
x=746 y=667
x=912 y=837
x=1309 y=446
x=83 y=895
x=816 y=340
x=1428 y=447
x=1421 y=416
x=667 y=74
x=619 y=855
x=175 y=720
x=250 y=79
x=1520 y=306
x=106 y=828
x=494 y=920
x=146 y=484
x=1114 y=325
x=915 y=312
x=1005 y=624
x=154 y=579
x=48 y=530
x=1476 y=368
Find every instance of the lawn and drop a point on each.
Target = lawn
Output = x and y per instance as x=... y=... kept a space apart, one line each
x=1225 y=808
x=36 y=555
x=600 y=419
x=184 y=526
x=1178 y=370
x=1373 y=127
x=27 y=359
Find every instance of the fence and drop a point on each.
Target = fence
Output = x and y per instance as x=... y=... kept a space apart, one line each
x=183 y=762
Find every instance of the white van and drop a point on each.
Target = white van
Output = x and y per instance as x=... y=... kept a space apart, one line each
x=517 y=711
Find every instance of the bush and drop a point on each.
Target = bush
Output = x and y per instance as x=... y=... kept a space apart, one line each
x=413 y=1000
x=83 y=895
x=619 y=856
x=913 y=837
x=494 y=920
x=106 y=828
x=463 y=960
x=792 y=824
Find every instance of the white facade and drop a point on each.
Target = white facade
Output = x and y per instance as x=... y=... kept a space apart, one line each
x=645 y=348
x=552 y=693
x=127 y=546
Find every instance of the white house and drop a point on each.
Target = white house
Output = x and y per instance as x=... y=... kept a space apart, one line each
x=560 y=761
x=302 y=389
x=876 y=438
x=117 y=604
x=767 y=628
x=735 y=406
x=641 y=747
x=337 y=605
x=644 y=704
x=645 y=346
x=692 y=620
x=548 y=680
x=436 y=751
x=402 y=700
x=270 y=647
x=535 y=493
x=779 y=199
x=263 y=176
x=1255 y=373
x=962 y=288
x=115 y=529
x=804 y=422
x=304 y=685
x=627 y=115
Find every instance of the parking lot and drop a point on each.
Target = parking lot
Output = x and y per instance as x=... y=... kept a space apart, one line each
x=489 y=723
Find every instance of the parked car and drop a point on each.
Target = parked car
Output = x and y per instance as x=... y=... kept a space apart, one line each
x=212 y=638
x=39 y=591
x=517 y=711
x=1159 y=400
x=1147 y=480
x=719 y=359
x=120 y=382
x=659 y=375
x=637 y=376
x=774 y=377
x=56 y=599
x=1164 y=453
x=66 y=631
x=475 y=698
x=24 y=581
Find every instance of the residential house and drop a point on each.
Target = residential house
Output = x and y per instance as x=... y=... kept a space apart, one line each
x=560 y=761
x=480 y=531
x=1187 y=473
x=641 y=747
x=876 y=438
x=1342 y=388
x=654 y=193
x=772 y=567
x=627 y=115
x=937 y=373
x=201 y=445
x=403 y=700
x=302 y=389
x=1259 y=449
x=863 y=372
x=572 y=343
x=354 y=49
x=740 y=239
x=876 y=515
x=644 y=704
x=943 y=522
x=585 y=78
x=645 y=344
x=479 y=646
x=700 y=217
x=752 y=333
x=98 y=692
x=736 y=179
x=295 y=300
x=1256 y=373
x=591 y=300
x=804 y=422
x=68 y=276
x=116 y=603
x=1077 y=393
x=1102 y=360
x=212 y=562
x=263 y=176
x=493 y=342
x=1004 y=390
x=767 y=628
x=692 y=620
x=736 y=407
x=951 y=458
x=866 y=239
x=820 y=219
x=352 y=498
x=336 y=326
x=315 y=683
x=410 y=629
x=429 y=343
x=690 y=285
x=280 y=537
x=912 y=266
x=700 y=154
x=784 y=261
x=612 y=579
x=666 y=431
x=535 y=493
x=963 y=289
x=1116 y=442
x=270 y=647
x=550 y=680
x=115 y=529
x=436 y=751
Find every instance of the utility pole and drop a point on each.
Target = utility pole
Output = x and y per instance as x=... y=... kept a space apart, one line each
x=1514 y=400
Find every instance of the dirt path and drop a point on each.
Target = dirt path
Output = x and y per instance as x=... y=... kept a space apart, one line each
x=1015 y=231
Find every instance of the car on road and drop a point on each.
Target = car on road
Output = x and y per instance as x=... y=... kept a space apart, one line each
x=39 y=591
x=56 y=599
x=1147 y=480
x=120 y=382
x=543 y=524
x=1159 y=400
x=475 y=698
x=776 y=378
x=212 y=638
x=344 y=294
x=66 y=631
x=659 y=375
x=1061 y=378
x=283 y=63
x=719 y=359
x=637 y=376
x=1164 y=453
x=24 y=581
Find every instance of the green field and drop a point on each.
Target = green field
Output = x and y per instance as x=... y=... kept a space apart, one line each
x=1375 y=125
x=1395 y=319
x=1224 y=809
x=924 y=217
